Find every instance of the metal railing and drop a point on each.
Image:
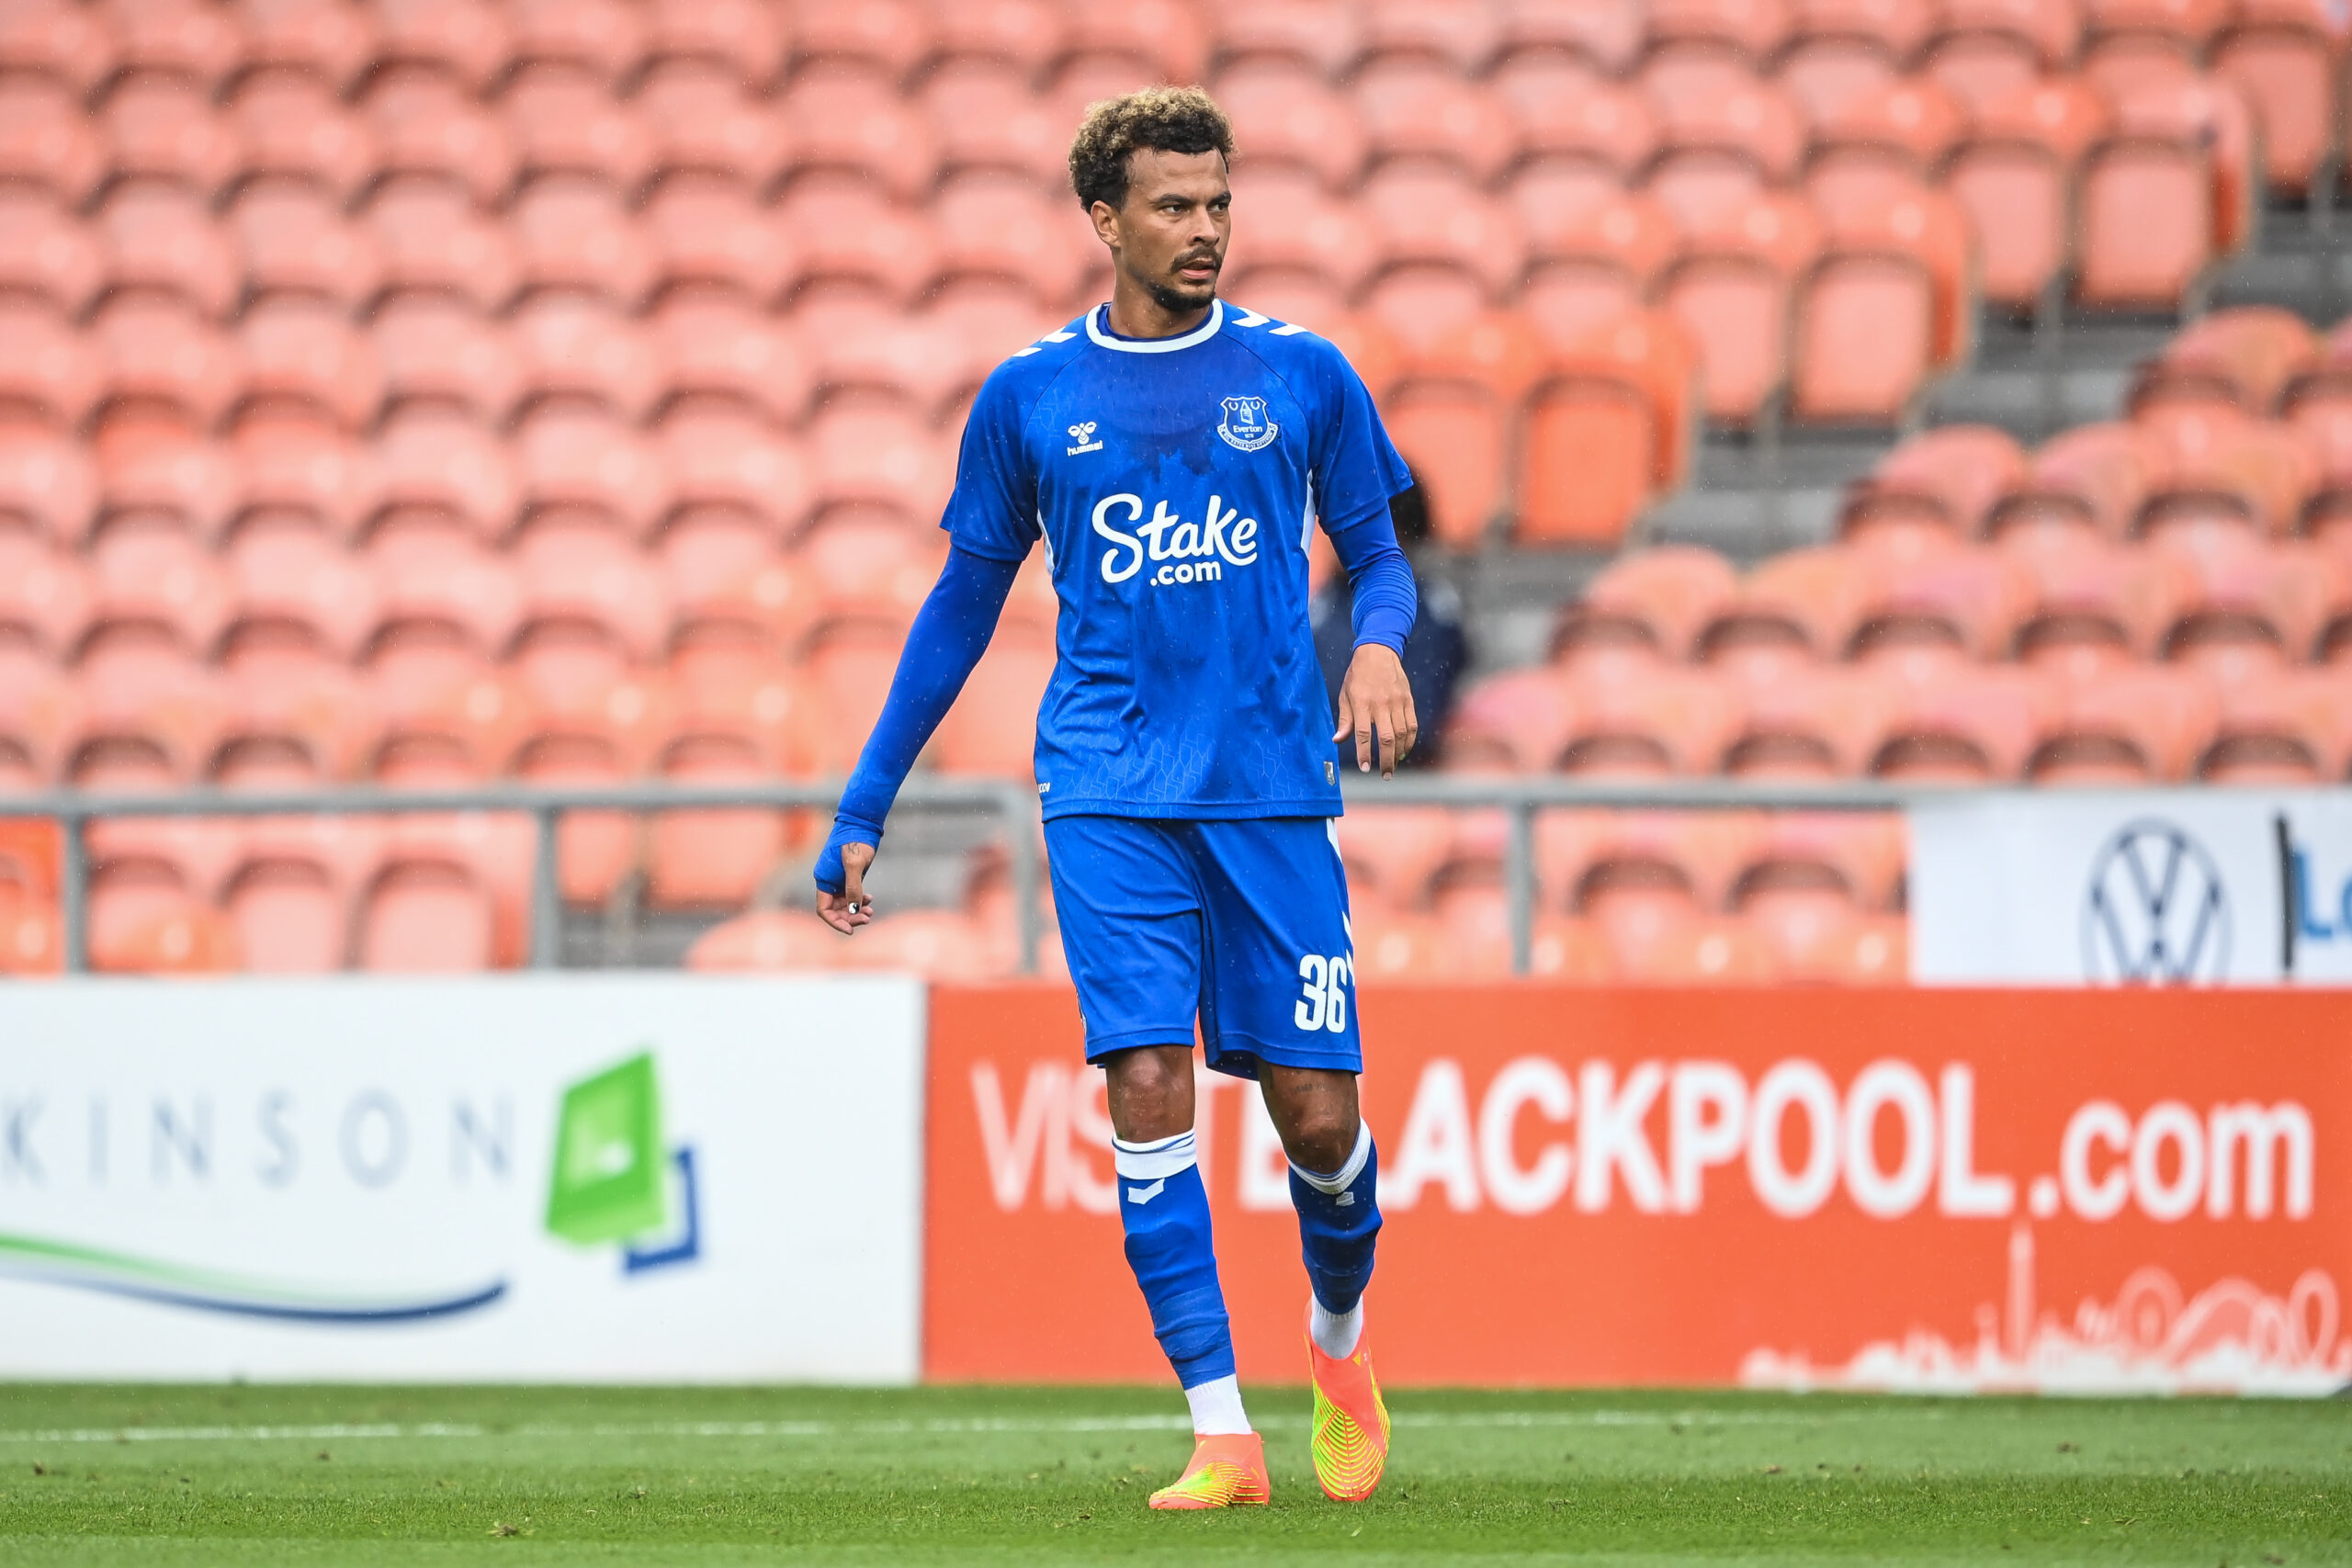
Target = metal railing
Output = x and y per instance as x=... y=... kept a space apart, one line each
x=545 y=806
x=1521 y=797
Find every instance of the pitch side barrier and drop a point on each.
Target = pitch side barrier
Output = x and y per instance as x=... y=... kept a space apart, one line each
x=1520 y=798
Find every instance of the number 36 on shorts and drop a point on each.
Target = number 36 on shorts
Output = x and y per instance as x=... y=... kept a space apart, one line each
x=1323 y=1001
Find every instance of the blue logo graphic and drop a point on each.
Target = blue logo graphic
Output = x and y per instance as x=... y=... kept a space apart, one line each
x=2156 y=911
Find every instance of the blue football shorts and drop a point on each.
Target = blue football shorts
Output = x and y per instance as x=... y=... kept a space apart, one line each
x=1243 y=924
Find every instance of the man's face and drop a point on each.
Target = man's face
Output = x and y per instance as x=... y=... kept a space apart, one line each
x=1171 y=234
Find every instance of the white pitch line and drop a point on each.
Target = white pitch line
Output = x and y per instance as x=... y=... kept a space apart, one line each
x=1472 y=1421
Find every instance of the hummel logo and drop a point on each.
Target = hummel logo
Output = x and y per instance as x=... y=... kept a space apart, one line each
x=1084 y=435
x=1140 y=1195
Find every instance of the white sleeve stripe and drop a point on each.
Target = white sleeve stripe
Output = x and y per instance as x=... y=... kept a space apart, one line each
x=1291 y=331
x=1250 y=319
x=1307 y=522
x=1058 y=337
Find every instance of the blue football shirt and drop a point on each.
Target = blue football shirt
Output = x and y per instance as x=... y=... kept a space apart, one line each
x=1175 y=483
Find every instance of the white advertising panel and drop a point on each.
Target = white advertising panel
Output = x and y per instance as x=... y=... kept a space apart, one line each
x=2206 y=886
x=602 y=1178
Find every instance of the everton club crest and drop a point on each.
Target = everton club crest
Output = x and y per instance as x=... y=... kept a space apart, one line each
x=1245 y=424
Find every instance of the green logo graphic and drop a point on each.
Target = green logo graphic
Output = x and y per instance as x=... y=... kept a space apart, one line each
x=611 y=1181
x=608 y=1181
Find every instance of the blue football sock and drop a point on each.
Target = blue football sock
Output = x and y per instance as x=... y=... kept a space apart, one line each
x=1339 y=1222
x=1165 y=1210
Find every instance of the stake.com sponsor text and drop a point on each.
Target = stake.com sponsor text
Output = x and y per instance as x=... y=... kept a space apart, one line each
x=1537 y=1136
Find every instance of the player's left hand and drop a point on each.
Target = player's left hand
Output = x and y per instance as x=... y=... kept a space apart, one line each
x=1376 y=705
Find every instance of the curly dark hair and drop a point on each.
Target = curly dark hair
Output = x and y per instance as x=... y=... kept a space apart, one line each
x=1161 y=119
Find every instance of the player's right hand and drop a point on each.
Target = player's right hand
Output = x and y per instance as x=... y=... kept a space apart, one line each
x=848 y=908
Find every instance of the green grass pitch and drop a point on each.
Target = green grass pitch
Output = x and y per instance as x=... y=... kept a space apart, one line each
x=259 y=1476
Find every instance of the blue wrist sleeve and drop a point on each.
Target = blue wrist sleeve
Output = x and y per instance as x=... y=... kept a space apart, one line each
x=950 y=633
x=1380 y=578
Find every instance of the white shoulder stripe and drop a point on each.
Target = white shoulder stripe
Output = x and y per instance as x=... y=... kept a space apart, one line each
x=1250 y=319
x=1058 y=337
x=1292 y=329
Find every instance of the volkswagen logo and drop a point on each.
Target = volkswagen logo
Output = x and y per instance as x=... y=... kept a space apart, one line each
x=2156 y=911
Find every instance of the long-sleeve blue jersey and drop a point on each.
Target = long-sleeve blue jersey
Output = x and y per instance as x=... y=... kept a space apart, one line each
x=1176 y=483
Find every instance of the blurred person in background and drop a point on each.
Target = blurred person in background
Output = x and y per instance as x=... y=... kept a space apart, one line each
x=1435 y=651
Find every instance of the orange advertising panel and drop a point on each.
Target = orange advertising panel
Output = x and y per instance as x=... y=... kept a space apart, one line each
x=1928 y=1190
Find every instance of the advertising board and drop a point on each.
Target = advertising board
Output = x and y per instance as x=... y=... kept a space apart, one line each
x=2207 y=887
x=590 y=1178
x=1955 y=1191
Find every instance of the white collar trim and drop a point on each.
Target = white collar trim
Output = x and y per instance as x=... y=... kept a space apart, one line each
x=1158 y=344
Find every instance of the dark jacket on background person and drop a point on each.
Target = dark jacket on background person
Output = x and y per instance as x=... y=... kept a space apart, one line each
x=1435 y=653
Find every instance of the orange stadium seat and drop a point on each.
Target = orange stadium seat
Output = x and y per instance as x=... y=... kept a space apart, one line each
x=2249 y=356
x=44 y=595
x=294 y=467
x=2132 y=726
x=1796 y=608
x=885 y=37
x=603 y=38
x=1285 y=114
x=1730 y=289
x=2015 y=172
x=1933 y=489
x=724 y=461
x=46 y=366
x=2252 y=608
x=1932 y=609
x=1842 y=47
x=848 y=123
x=2098 y=607
x=301 y=355
x=1658 y=598
x=717 y=857
x=1589 y=262
x=1417 y=108
x=1325 y=36
x=293 y=127
x=1163 y=38
x=431 y=241
x=1450 y=410
x=985 y=118
x=288 y=916
x=48 y=485
x=323 y=38
x=1970 y=725
x=699 y=118
x=1882 y=144
x=1396 y=946
x=1806 y=722
x=439 y=460
x=427 y=125
x=1986 y=49
x=1319 y=236
x=160 y=238
x=1655 y=722
x=58 y=39
x=1608 y=426
x=440 y=350
x=710 y=345
x=1606 y=33
x=573 y=348
x=1001 y=226
x=572 y=233
x=1579 y=143
x=47 y=252
x=1027 y=34
x=2289 y=729
x=1517 y=721
x=574 y=457
x=2148 y=207
x=425 y=917
x=146 y=920
x=2096 y=477
x=992 y=729
x=1429 y=217
x=565 y=122
x=767 y=940
x=159 y=128
x=846 y=232
x=1461 y=34
x=868 y=563
x=876 y=456
x=281 y=566
x=1393 y=850
x=151 y=465
x=2285 y=56
x=44 y=141
x=471 y=40
x=293 y=241
x=1720 y=150
x=185 y=39
x=585 y=562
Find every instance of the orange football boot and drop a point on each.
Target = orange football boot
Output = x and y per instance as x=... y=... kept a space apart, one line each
x=1350 y=1443
x=1228 y=1470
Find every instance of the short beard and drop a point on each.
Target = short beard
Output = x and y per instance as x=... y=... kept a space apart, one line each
x=1176 y=302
